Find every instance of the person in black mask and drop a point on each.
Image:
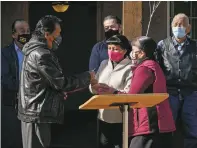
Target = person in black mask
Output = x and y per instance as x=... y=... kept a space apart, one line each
x=112 y=26
x=11 y=58
x=43 y=84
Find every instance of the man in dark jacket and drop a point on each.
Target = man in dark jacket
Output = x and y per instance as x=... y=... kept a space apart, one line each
x=112 y=26
x=178 y=58
x=11 y=62
x=42 y=84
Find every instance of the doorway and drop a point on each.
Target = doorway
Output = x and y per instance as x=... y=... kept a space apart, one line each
x=79 y=36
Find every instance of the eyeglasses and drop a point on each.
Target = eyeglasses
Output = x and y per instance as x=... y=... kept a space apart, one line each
x=135 y=54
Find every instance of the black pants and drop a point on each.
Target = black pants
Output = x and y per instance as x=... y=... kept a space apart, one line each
x=110 y=135
x=10 y=128
x=36 y=135
x=162 y=140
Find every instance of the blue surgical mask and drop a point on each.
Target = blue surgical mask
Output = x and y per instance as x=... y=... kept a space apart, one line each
x=179 y=32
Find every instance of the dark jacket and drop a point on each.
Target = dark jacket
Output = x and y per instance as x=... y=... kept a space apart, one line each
x=43 y=83
x=98 y=54
x=9 y=75
x=148 y=77
x=180 y=70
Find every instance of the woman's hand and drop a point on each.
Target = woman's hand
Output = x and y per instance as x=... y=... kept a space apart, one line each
x=98 y=87
x=109 y=90
x=102 y=89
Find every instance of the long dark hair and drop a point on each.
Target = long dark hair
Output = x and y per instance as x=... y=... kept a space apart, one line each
x=147 y=45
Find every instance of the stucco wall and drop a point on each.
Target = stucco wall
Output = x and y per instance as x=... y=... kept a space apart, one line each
x=135 y=17
x=158 y=27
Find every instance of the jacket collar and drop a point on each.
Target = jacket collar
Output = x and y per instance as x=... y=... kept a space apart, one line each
x=120 y=65
x=175 y=43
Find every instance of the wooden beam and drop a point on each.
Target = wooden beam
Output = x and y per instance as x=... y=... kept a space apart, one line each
x=132 y=19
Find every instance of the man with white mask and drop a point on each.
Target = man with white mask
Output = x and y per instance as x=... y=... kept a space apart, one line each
x=177 y=56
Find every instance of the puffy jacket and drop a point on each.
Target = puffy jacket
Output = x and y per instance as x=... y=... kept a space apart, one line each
x=42 y=84
x=152 y=119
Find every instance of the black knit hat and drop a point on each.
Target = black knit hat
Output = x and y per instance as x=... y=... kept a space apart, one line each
x=120 y=40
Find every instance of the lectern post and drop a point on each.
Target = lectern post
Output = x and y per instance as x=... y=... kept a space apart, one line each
x=124 y=102
x=125 y=125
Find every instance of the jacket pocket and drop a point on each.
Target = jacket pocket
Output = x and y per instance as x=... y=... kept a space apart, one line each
x=51 y=105
x=56 y=104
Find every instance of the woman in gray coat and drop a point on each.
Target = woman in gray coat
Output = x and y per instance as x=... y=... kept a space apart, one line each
x=114 y=72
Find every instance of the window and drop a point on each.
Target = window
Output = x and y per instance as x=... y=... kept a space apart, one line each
x=187 y=7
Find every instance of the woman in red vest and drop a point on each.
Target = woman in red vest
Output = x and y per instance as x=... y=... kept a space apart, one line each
x=150 y=127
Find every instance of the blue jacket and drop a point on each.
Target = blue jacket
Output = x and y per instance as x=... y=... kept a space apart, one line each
x=9 y=75
x=99 y=53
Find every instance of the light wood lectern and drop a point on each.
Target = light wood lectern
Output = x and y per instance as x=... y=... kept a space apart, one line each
x=124 y=102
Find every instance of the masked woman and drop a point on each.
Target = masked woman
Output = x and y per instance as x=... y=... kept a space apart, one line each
x=150 y=127
x=114 y=72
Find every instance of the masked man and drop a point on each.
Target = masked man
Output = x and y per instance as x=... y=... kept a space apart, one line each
x=43 y=84
x=112 y=26
x=11 y=58
x=177 y=56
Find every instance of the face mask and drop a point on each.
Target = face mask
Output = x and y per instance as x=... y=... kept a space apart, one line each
x=23 y=38
x=56 y=42
x=111 y=33
x=178 y=32
x=115 y=56
x=137 y=59
x=136 y=62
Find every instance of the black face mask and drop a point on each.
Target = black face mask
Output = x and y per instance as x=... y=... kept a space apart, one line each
x=56 y=43
x=23 y=38
x=111 y=33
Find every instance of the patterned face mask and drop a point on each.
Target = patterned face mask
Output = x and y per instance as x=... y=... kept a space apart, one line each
x=23 y=38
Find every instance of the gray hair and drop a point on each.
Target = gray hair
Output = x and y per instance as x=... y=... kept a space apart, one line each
x=183 y=16
x=109 y=17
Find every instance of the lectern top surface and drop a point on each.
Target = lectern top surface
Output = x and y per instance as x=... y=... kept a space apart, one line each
x=135 y=100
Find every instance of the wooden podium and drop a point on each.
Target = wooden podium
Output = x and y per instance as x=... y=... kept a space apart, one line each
x=124 y=102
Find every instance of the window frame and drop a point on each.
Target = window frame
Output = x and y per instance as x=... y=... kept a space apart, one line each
x=191 y=18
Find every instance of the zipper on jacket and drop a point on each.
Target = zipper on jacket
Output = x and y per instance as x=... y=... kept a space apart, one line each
x=137 y=117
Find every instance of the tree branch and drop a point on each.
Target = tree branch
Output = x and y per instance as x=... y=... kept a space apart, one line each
x=151 y=14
